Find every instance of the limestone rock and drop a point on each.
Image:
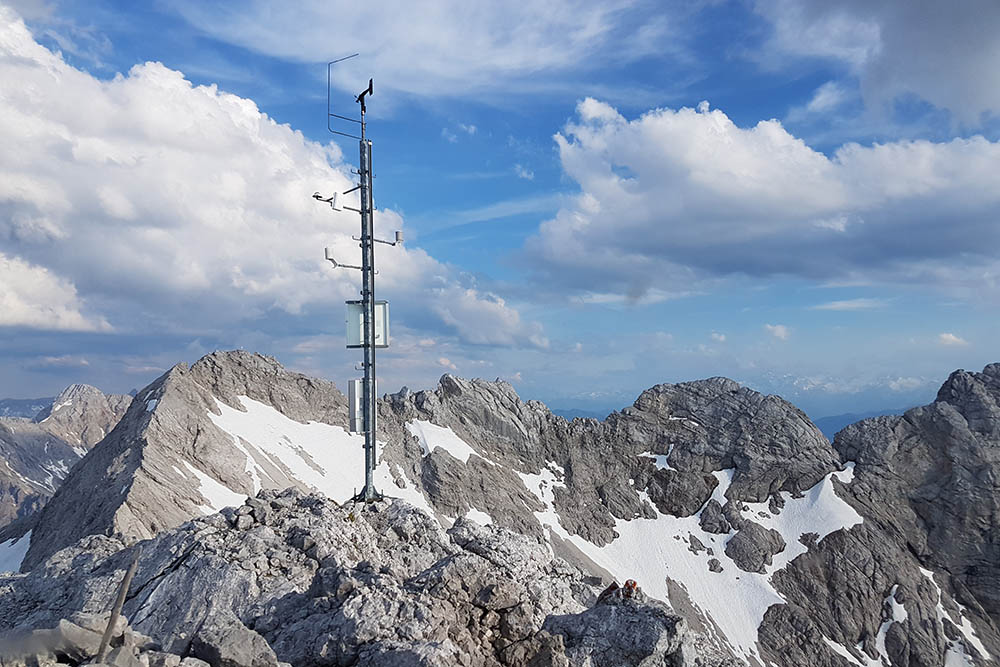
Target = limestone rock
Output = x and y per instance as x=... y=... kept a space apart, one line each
x=753 y=546
x=223 y=641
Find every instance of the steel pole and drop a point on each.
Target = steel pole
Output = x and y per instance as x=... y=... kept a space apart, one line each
x=368 y=303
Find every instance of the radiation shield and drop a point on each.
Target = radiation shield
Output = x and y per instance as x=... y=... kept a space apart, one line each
x=356 y=324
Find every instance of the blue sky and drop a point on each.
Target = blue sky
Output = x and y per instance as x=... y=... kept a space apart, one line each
x=596 y=196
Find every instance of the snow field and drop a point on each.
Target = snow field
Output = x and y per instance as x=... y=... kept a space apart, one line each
x=12 y=552
x=653 y=550
x=432 y=436
x=320 y=456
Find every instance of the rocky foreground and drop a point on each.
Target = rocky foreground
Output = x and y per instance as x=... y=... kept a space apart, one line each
x=300 y=579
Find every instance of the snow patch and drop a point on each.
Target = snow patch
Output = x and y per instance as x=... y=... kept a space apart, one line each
x=218 y=495
x=12 y=552
x=482 y=518
x=432 y=436
x=725 y=479
x=151 y=404
x=543 y=484
x=647 y=550
x=898 y=616
x=842 y=651
x=956 y=656
x=662 y=461
x=965 y=627
x=321 y=456
x=819 y=511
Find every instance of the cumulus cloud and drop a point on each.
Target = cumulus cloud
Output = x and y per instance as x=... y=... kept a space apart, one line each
x=779 y=331
x=718 y=337
x=523 y=172
x=945 y=53
x=445 y=48
x=706 y=199
x=34 y=297
x=951 y=340
x=146 y=202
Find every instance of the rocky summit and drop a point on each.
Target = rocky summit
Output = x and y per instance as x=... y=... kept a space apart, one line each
x=755 y=540
x=294 y=578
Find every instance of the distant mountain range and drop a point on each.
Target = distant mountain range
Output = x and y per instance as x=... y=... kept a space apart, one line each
x=570 y=414
x=24 y=407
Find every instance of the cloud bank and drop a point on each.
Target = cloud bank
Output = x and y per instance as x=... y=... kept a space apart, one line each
x=682 y=197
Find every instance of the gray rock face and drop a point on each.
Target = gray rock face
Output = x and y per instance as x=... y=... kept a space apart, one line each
x=753 y=546
x=38 y=453
x=702 y=427
x=82 y=415
x=624 y=632
x=314 y=583
x=926 y=485
x=712 y=519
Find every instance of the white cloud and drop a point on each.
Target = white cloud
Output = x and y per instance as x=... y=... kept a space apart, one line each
x=153 y=204
x=484 y=318
x=449 y=136
x=468 y=129
x=523 y=172
x=778 y=331
x=945 y=53
x=34 y=297
x=851 y=304
x=718 y=337
x=951 y=340
x=443 y=49
x=61 y=361
x=446 y=362
x=708 y=199
x=827 y=97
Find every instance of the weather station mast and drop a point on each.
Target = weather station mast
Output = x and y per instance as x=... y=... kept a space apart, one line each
x=367 y=318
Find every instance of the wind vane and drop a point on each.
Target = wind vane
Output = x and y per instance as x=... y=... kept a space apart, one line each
x=367 y=319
